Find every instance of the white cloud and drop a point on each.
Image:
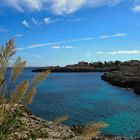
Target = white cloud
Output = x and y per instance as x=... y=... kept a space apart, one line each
x=66 y=7
x=104 y=36
x=33 y=4
x=125 y=52
x=60 y=42
x=56 y=47
x=79 y=39
x=47 y=20
x=136 y=8
x=113 y=35
x=62 y=47
x=42 y=45
x=20 y=49
x=120 y=52
x=67 y=41
x=69 y=6
x=23 y=5
x=18 y=35
x=86 y=38
x=2 y=29
x=119 y=35
x=35 y=21
x=58 y=7
x=25 y=23
x=67 y=47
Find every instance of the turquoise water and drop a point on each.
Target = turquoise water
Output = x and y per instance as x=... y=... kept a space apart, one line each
x=85 y=97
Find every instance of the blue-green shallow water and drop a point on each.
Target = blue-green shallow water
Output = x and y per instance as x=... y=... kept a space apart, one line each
x=85 y=97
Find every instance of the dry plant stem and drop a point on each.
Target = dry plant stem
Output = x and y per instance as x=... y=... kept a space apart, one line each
x=92 y=129
x=22 y=94
x=29 y=96
x=60 y=120
x=17 y=69
x=5 y=54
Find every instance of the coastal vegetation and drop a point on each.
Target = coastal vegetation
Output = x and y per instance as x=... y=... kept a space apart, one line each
x=92 y=66
x=16 y=122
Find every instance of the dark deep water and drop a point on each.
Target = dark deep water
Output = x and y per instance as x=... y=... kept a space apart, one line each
x=85 y=97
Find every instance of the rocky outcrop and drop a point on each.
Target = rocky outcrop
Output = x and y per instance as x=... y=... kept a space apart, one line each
x=37 y=128
x=127 y=78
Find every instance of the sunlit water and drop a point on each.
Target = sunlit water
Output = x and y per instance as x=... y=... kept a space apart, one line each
x=85 y=97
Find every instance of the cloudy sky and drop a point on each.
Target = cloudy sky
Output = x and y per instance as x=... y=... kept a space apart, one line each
x=60 y=32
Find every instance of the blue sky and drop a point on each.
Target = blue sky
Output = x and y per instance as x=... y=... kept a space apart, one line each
x=60 y=32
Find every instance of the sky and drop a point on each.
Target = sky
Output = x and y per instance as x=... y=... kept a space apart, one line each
x=61 y=32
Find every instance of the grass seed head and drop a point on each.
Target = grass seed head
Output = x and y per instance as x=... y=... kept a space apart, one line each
x=29 y=96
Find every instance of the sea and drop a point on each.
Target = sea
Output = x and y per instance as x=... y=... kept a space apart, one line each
x=84 y=97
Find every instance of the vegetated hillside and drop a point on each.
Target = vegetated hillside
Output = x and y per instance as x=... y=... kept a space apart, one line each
x=92 y=67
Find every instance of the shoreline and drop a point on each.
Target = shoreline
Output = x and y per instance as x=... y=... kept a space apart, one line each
x=122 y=79
x=46 y=130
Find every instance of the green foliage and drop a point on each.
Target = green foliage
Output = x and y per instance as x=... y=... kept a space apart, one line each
x=9 y=121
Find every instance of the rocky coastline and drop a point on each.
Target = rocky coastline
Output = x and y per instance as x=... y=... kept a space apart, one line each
x=82 y=67
x=126 y=78
x=39 y=129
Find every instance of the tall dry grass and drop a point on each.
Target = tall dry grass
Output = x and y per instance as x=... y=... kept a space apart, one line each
x=92 y=130
x=10 y=96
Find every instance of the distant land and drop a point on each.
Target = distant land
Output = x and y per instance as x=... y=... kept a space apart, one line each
x=124 y=74
x=84 y=67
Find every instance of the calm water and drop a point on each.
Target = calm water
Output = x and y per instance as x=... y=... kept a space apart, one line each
x=85 y=97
